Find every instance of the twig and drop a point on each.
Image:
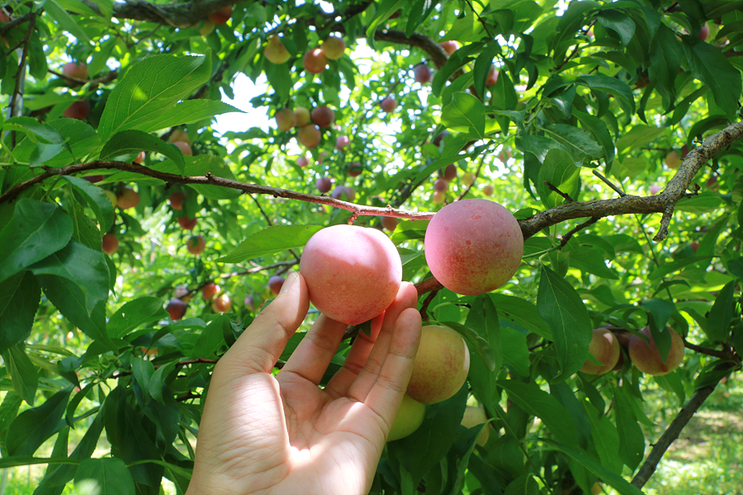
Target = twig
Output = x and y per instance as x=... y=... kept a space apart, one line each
x=609 y=183
x=21 y=76
x=566 y=237
x=482 y=21
x=269 y=221
x=428 y=285
x=672 y=432
x=15 y=22
x=709 y=352
x=426 y=303
x=196 y=361
x=553 y=188
x=477 y=175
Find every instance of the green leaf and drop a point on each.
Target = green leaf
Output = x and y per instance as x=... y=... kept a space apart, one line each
x=465 y=113
x=33 y=426
x=35 y=129
x=65 y=21
x=132 y=141
x=383 y=11
x=600 y=134
x=666 y=57
x=562 y=308
x=618 y=22
x=35 y=231
x=515 y=350
x=535 y=401
x=539 y=146
x=578 y=142
x=271 y=240
x=559 y=170
x=721 y=314
x=711 y=67
x=211 y=338
x=201 y=165
x=637 y=137
x=107 y=476
x=605 y=438
x=191 y=111
x=673 y=266
x=23 y=374
x=590 y=260
x=149 y=89
x=96 y=199
x=631 y=439
x=522 y=313
x=611 y=85
x=607 y=476
x=483 y=319
x=134 y=313
x=477 y=341
x=19 y=300
x=80 y=265
x=418 y=14
x=570 y=22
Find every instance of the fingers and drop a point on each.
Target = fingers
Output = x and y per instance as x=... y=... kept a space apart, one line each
x=312 y=356
x=406 y=299
x=356 y=359
x=261 y=344
x=388 y=389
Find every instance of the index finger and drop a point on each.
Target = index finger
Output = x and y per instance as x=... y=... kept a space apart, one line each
x=261 y=344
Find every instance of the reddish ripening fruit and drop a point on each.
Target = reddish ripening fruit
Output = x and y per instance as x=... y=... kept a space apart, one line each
x=333 y=48
x=182 y=292
x=309 y=136
x=323 y=184
x=342 y=142
x=187 y=223
x=673 y=160
x=487 y=190
x=473 y=246
x=275 y=51
x=441 y=365
x=176 y=309
x=712 y=184
x=389 y=223
x=388 y=105
x=355 y=169
x=176 y=200
x=646 y=357
x=441 y=136
x=78 y=110
x=110 y=243
x=93 y=178
x=127 y=199
x=449 y=173
x=210 y=290
x=604 y=347
x=275 y=283
x=139 y=159
x=222 y=304
x=184 y=147
x=285 y=119
x=352 y=273
x=76 y=70
x=314 y=61
x=440 y=185
x=302 y=116
x=449 y=46
x=344 y=193
x=704 y=32
x=323 y=116
x=249 y=302
x=684 y=150
x=221 y=16
x=422 y=73
x=492 y=77
x=439 y=197
x=196 y=244
x=655 y=189
x=302 y=161
x=694 y=245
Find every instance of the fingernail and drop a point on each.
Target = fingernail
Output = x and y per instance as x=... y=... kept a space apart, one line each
x=290 y=279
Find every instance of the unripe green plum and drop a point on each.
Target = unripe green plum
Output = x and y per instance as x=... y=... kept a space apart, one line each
x=473 y=246
x=184 y=147
x=441 y=365
x=673 y=160
x=112 y=197
x=474 y=416
x=309 y=136
x=302 y=116
x=409 y=418
x=352 y=273
x=468 y=179
x=646 y=357
x=439 y=197
x=604 y=347
x=285 y=119
x=333 y=47
x=275 y=51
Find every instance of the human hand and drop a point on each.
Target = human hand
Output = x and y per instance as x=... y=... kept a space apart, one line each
x=261 y=434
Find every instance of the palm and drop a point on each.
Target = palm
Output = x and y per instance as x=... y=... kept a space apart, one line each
x=266 y=434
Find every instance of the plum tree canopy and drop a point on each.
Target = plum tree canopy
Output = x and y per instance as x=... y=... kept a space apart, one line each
x=564 y=113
